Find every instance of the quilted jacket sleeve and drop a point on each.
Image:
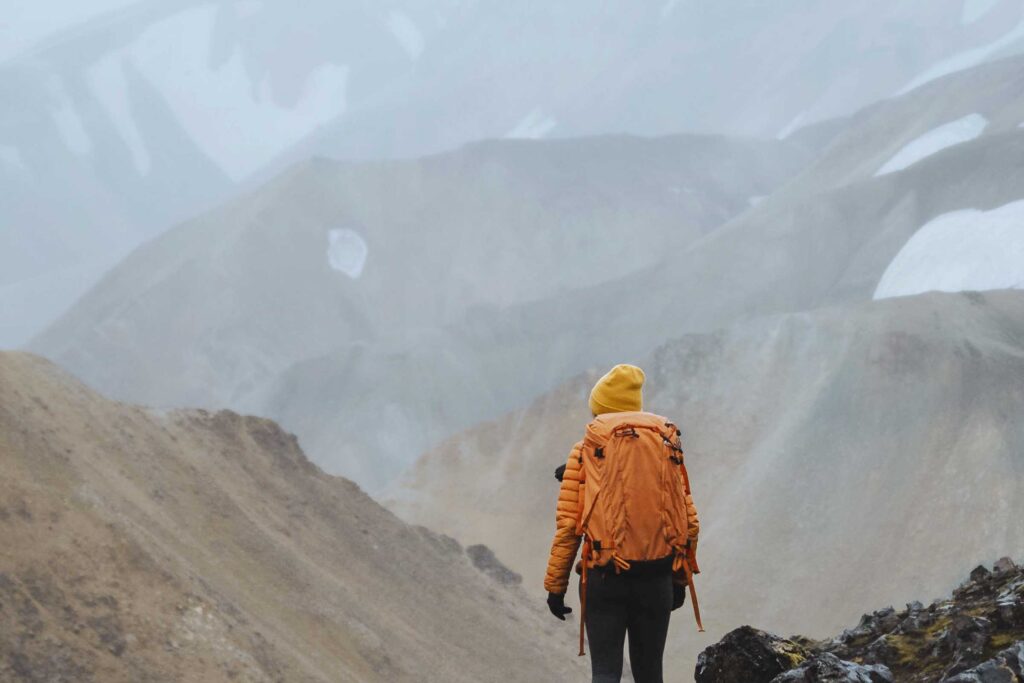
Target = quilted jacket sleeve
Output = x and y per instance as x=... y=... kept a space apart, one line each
x=693 y=521
x=566 y=542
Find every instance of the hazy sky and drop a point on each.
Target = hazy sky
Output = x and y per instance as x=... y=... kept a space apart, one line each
x=25 y=22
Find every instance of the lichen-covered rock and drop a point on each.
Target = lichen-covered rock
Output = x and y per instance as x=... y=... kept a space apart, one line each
x=748 y=655
x=977 y=636
x=827 y=668
x=1006 y=667
x=964 y=640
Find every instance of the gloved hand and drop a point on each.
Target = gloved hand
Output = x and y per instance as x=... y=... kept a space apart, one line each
x=556 y=603
x=678 y=596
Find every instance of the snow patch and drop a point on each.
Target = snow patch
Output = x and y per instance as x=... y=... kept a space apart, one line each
x=69 y=124
x=966 y=59
x=110 y=85
x=976 y=9
x=230 y=114
x=347 y=252
x=957 y=132
x=791 y=127
x=533 y=126
x=967 y=250
x=406 y=33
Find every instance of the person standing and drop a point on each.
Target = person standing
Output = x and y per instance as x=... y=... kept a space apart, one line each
x=625 y=498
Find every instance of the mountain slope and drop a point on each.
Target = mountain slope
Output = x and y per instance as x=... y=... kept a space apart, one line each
x=183 y=546
x=851 y=455
x=138 y=118
x=827 y=237
x=366 y=261
x=116 y=128
x=314 y=349
x=737 y=67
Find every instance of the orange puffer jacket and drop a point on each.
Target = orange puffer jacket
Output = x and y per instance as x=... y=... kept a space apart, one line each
x=566 y=543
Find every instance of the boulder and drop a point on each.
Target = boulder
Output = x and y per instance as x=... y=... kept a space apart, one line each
x=1006 y=667
x=827 y=668
x=748 y=655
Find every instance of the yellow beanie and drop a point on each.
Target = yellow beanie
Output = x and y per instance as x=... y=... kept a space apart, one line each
x=620 y=391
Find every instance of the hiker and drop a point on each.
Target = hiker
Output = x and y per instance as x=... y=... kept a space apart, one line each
x=632 y=575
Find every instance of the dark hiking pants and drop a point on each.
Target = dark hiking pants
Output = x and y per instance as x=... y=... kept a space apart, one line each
x=634 y=604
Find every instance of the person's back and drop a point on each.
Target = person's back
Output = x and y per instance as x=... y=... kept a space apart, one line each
x=625 y=496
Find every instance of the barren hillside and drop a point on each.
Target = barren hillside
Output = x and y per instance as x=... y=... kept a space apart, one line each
x=189 y=546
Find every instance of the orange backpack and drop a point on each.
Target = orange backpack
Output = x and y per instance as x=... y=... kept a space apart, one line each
x=633 y=490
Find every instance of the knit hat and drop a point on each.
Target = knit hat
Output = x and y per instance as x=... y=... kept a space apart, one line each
x=620 y=391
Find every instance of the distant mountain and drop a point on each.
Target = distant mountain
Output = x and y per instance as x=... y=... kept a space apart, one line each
x=193 y=546
x=115 y=128
x=830 y=236
x=119 y=127
x=458 y=291
x=835 y=455
x=305 y=299
x=840 y=233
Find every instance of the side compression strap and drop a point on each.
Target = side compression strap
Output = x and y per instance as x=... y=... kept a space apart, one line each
x=583 y=594
x=693 y=594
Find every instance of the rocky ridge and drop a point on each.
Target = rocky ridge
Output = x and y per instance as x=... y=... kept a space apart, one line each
x=976 y=636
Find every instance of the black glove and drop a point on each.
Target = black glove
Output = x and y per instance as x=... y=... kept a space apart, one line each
x=678 y=596
x=560 y=472
x=556 y=603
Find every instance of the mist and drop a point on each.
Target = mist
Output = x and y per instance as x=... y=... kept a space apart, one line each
x=414 y=233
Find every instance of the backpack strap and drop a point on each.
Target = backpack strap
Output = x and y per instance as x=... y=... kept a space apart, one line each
x=688 y=570
x=583 y=593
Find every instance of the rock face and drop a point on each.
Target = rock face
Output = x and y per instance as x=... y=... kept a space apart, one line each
x=748 y=655
x=146 y=547
x=977 y=636
x=827 y=668
x=1006 y=667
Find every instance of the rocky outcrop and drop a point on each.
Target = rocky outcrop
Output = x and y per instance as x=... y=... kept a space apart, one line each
x=827 y=668
x=1006 y=667
x=976 y=636
x=748 y=655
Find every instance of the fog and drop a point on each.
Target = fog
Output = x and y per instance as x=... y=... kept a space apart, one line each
x=123 y=118
x=412 y=233
x=431 y=213
x=353 y=210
